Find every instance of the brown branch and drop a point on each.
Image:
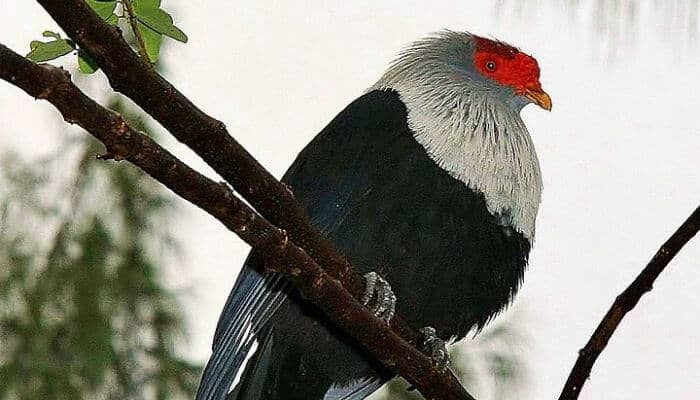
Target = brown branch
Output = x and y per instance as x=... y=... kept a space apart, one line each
x=208 y=138
x=624 y=303
x=205 y=135
x=282 y=254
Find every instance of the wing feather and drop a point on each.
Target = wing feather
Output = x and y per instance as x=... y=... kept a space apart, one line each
x=253 y=301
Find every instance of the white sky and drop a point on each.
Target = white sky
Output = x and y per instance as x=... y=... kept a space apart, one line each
x=619 y=155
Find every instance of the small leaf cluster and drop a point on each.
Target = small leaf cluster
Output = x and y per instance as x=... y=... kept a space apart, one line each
x=146 y=20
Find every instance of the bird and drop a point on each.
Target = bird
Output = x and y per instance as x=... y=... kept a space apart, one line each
x=429 y=184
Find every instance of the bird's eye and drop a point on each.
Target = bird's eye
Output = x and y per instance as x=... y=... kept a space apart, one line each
x=490 y=66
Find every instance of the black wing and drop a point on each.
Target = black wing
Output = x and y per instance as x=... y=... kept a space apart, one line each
x=328 y=176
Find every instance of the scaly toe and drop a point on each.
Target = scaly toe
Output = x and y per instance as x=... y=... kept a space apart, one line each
x=435 y=348
x=370 y=285
x=384 y=301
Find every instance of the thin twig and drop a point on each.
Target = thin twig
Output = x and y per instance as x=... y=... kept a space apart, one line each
x=133 y=22
x=624 y=303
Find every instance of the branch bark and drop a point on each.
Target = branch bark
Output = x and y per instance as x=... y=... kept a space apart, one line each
x=282 y=254
x=624 y=303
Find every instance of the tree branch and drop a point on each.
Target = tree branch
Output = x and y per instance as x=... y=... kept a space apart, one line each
x=205 y=135
x=624 y=303
x=208 y=138
x=281 y=254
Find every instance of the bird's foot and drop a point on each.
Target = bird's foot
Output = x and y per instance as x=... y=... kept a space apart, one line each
x=379 y=297
x=435 y=348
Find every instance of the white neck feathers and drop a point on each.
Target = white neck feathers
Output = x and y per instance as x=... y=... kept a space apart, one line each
x=473 y=134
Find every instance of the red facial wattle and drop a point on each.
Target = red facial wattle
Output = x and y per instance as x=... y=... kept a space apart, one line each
x=510 y=67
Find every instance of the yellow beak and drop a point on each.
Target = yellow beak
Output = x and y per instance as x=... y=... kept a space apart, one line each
x=540 y=98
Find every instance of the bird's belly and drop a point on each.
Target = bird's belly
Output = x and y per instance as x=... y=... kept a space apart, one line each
x=451 y=263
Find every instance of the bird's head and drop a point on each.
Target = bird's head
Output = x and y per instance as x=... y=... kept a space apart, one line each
x=509 y=67
x=462 y=63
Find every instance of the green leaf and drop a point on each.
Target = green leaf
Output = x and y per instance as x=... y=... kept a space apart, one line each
x=34 y=44
x=51 y=34
x=151 y=39
x=48 y=51
x=177 y=34
x=160 y=21
x=140 y=4
x=86 y=64
x=102 y=8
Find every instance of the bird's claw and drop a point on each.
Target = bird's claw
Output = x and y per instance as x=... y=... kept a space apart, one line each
x=435 y=348
x=379 y=297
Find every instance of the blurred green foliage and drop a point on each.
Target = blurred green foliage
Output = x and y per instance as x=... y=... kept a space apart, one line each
x=83 y=309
